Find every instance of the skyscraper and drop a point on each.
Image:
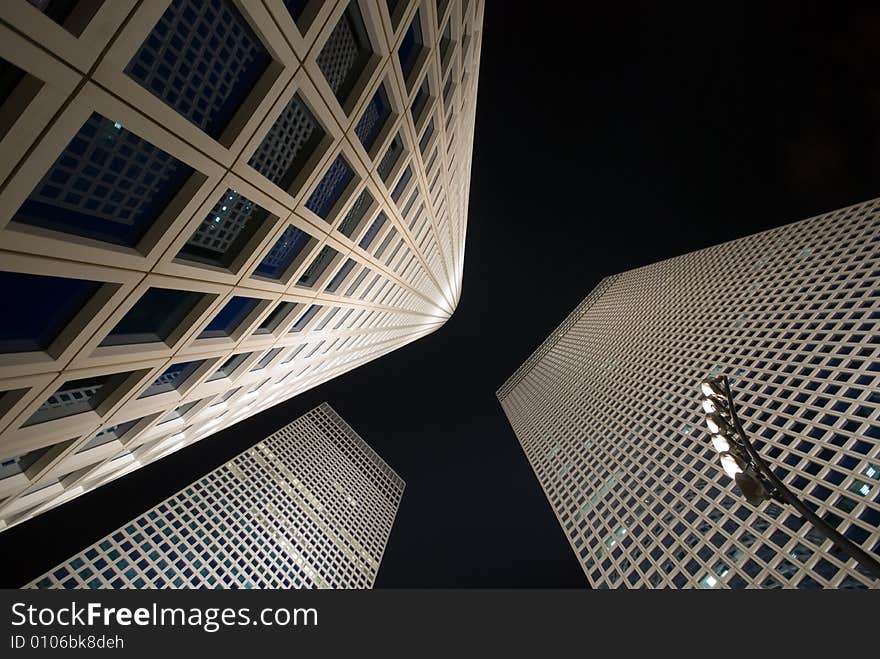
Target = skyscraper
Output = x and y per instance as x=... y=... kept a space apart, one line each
x=310 y=506
x=210 y=206
x=607 y=410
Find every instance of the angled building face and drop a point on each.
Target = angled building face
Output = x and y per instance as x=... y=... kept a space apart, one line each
x=209 y=206
x=608 y=413
x=310 y=506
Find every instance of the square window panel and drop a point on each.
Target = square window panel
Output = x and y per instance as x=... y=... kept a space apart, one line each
x=392 y=155
x=288 y=145
x=305 y=318
x=283 y=253
x=330 y=189
x=344 y=57
x=340 y=276
x=108 y=435
x=420 y=100
x=40 y=308
x=202 y=59
x=154 y=317
x=172 y=378
x=317 y=267
x=225 y=231
x=108 y=184
x=410 y=47
x=76 y=397
x=370 y=235
x=278 y=314
x=355 y=215
x=230 y=317
x=229 y=366
x=374 y=118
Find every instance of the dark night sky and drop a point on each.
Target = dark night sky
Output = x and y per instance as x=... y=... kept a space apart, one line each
x=603 y=143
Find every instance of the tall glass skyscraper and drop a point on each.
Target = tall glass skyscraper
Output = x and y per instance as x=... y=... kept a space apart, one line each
x=210 y=206
x=608 y=412
x=310 y=506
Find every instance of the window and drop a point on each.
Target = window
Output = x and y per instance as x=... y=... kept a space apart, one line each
x=43 y=307
x=340 y=276
x=229 y=317
x=172 y=378
x=76 y=397
x=374 y=118
x=305 y=318
x=344 y=57
x=283 y=253
x=355 y=215
x=265 y=359
x=420 y=101
x=410 y=47
x=372 y=231
x=401 y=185
x=202 y=59
x=392 y=155
x=229 y=366
x=317 y=267
x=108 y=184
x=330 y=189
x=154 y=317
x=225 y=231
x=288 y=145
x=108 y=435
x=278 y=314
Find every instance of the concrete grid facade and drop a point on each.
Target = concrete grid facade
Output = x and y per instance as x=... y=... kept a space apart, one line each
x=310 y=506
x=608 y=411
x=194 y=223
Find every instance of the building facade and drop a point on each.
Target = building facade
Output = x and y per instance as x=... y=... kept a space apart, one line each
x=608 y=412
x=209 y=206
x=310 y=506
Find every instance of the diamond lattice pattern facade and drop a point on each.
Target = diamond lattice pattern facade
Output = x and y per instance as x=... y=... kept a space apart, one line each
x=608 y=412
x=209 y=206
x=310 y=506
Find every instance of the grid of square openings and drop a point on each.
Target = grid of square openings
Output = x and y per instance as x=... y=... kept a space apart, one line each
x=202 y=59
x=108 y=184
x=344 y=57
x=309 y=507
x=607 y=411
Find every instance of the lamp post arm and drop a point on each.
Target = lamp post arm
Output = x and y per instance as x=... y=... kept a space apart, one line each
x=862 y=557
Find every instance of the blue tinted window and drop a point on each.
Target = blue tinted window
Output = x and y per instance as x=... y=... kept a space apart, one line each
x=43 y=307
x=330 y=189
x=305 y=318
x=410 y=47
x=372 y=231
x=202 y=59
x=229 y=317
x=171 y=379
x=278 y=314
x=373 y=119
x=229 y=366
x=283 y=253
x=339 y=276
x=225 y=231
x=108 y=185
x=401 y=184
x=154 y=317
x=420 y=100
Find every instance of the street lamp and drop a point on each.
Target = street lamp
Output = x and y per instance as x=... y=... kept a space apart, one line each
x=752 y=474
